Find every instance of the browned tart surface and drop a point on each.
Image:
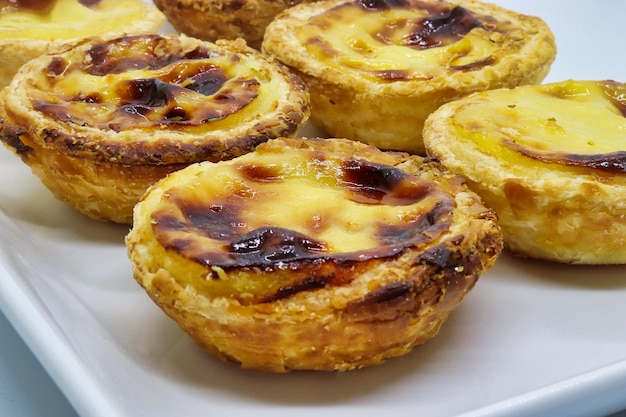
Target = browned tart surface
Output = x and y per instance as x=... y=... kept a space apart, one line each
x=321 y=254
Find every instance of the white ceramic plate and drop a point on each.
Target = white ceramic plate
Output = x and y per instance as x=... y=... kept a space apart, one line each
x=532 y=339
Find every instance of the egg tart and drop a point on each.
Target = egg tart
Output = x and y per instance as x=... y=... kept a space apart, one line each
x=376 y=69
x=549 y=159
x=311 y=254
x=30 y=28
x=224 y=19
x=101 y=121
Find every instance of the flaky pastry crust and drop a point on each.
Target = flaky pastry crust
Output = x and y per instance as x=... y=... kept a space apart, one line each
x=311 y=254
x=105 y=118
x=30 y=29
x=549 y=160
x=377 y=69
x=224 y=19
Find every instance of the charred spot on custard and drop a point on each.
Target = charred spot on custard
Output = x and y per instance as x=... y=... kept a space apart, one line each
x=380 y=4
x=442 y=26
x=140 y=96
x=616 y=92
x=89 y=3
x=613 y=162
x=261 y=247
x=269 y=245
x=216 y=221
x=419 y=229
x=56 y=67
x=123 y=54
x=133 y=52
x=261 y=173
x=371 y=183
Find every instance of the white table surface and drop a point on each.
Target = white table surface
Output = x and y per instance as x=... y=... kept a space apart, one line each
x=26 y=390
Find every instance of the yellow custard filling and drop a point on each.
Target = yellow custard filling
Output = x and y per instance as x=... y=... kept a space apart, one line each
x=280 y=209
x=566 y=124
x=294 y=191
x=67 y=19
x=399 y=42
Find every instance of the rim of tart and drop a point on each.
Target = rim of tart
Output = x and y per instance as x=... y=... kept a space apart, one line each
x=323 y=254
x=31 y=28
x=376 y=69
x=550 y=160
x=103 y=119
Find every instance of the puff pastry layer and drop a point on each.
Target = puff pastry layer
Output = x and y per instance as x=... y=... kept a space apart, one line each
x=549 y=159
x=31 y=28
x=101 y=121
x=322 y=254
x=224 y=19
x=377 y=69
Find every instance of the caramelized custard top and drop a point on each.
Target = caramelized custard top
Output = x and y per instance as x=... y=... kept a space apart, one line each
x=569 y=124
x=151 y=82
x=403 y=39
x=278 y=206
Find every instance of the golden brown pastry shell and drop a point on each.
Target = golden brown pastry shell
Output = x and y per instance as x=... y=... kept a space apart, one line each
x=224 y=19
x=384 y=309
x=15 y=52
x=574 y=217
x=103 y=172
x=391 y=115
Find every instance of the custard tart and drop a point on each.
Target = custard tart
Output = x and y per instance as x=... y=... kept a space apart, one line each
x=376 y=69
x=31 y=28
x=224 y=19
x=549 y=159
x=101 y=121
x=311 y=254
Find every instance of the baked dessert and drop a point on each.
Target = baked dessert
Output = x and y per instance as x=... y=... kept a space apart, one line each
x=318 y=254
x=104 y=119
x=549 y=160
x=30 y=28
x=224 y=19
x=377 y=69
